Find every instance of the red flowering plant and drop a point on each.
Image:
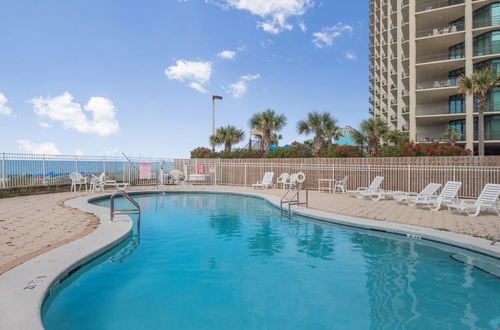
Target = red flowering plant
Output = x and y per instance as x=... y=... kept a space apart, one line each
x=422 y=150
x=337 y=151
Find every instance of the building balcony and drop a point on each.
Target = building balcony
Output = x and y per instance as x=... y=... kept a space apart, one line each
x=435 y=137
x=436 y=4
x=440 y=31
x=489 y=136
x=439 y=57
x=437 y=84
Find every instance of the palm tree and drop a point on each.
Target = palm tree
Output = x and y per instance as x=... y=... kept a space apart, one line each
x=372 y=132
x=451 y=135
x=395 y=136
x=479 y=84
x=322 y=125
x=269 y=123
x=227 y=136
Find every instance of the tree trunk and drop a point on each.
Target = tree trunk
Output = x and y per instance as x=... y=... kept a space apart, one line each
x=318 y=143
x=227 y=147
x=480 y=127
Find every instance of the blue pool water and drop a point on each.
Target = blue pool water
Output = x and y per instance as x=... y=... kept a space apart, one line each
x=214 y=261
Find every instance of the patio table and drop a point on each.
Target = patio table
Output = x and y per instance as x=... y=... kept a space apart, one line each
x=322 y=187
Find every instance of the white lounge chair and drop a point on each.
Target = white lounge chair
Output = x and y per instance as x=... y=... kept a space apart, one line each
x=282 y=180
x=487 y=200
x=267 y=181
x=341 y=185
x=77 y=179
x=368 y=191
x=101 y=183
x=429 y=191
x=447 y=196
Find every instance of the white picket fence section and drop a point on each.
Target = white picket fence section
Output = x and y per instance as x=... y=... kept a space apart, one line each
x=411 y=178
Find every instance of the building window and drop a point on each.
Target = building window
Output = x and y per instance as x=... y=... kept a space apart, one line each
x=489 y=64
x=492 y=102
x=459 y=126
x=487 y=43
x=487 y=15
x=454 y=75
x=491 y=128
x=456 y=104
x=456 y=51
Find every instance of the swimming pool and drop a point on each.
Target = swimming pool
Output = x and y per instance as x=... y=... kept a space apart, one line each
x=221 y=261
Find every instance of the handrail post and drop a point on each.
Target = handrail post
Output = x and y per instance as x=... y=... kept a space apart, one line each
x=3 y=170
x=43 y=170
x=245 y=174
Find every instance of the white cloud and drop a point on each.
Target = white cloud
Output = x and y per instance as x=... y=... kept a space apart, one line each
x=275 y=13
x=351 y=56
x=227 y=54
x=44 y=124
x=47 y=148
x=196 y=73
x=239 y=88
x=303 y=27
x=197 y=86
x=328 y=34
x=4 y=109
x=62 y=108
x=251 y=77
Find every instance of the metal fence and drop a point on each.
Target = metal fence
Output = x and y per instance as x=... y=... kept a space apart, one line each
x=402 y=174
x=31 y=170
x=409 y=177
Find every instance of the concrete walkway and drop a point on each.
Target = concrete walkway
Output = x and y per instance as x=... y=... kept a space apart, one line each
x=32 y=225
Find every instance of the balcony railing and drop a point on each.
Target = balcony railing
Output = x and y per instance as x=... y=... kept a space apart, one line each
x=435 y=109
x=440 y=57
x=435 y=4
x=441 y=83
x=485 y=22
x=435 y=137
x=452 y=28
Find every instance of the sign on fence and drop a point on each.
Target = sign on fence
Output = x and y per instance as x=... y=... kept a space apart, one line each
x=145 y=171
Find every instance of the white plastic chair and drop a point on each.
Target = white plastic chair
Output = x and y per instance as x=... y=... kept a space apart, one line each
x=487 y=200
x=77 y=179
x=292 y=181
x=282 y=179
x=447 y=196
x=267 y=181
x=341 y=185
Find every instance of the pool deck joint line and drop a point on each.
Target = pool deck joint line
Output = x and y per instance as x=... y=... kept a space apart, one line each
x=25 y=287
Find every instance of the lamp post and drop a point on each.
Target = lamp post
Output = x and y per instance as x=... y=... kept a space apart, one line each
x=214 y=97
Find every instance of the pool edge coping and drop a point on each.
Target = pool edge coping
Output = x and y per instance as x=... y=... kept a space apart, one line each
x=25 y=287
x=22 y=306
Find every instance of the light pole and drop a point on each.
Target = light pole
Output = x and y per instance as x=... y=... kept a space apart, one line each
x=214 y=97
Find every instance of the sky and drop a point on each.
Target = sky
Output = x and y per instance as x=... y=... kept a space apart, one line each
x=93 y=77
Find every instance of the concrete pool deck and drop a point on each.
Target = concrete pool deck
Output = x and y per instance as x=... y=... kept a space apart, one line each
x=32 y=225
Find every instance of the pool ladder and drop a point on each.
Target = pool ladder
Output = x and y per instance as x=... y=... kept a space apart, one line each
x=295 y=199
x=123 y=193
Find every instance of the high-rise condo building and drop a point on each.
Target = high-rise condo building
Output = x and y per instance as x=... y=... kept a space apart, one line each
x=418 y=50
